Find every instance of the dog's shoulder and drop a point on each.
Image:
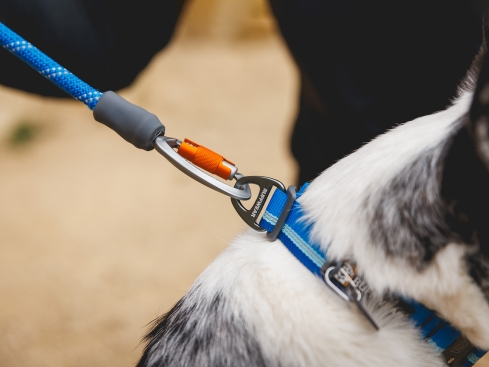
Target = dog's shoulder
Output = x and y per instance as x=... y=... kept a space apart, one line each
x=256 y=305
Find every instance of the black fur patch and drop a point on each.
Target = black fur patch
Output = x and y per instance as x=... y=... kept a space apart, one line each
x=441 y=197
x=201 y=332
x=465 y=189
x=410 y=218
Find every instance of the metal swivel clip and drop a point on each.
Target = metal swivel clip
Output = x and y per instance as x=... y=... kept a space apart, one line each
x=343 y=279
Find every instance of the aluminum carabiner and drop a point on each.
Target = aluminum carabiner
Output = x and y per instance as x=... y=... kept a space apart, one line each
x=165 y=146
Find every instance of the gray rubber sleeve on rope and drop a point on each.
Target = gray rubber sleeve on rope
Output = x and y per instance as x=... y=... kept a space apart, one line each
x=136 y=125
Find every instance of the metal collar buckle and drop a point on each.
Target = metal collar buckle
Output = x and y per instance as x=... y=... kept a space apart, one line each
x=165 y=145
x=341 y=278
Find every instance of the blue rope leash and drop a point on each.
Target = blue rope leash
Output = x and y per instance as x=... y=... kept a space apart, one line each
x=48 y=68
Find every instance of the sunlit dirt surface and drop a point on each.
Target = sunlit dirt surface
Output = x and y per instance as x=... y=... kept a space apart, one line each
x=98 y=238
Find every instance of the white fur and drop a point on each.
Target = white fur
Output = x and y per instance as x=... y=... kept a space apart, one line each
x=299 y=321
x=334 y=202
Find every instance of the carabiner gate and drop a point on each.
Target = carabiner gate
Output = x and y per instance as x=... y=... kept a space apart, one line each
x=165 y=146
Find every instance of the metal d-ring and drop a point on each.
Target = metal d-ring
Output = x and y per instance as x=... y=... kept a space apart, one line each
x=342 y=293
x=347 y=297
x=165 y=147
x=265 y=184
x=352 y=284
x=328 y=281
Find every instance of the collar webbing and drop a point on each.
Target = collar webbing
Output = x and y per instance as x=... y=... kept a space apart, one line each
x=295 y=235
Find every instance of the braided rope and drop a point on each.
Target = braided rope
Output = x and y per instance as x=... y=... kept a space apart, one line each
x=48 y=68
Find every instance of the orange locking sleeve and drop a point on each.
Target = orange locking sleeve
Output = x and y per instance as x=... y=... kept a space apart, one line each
x=205 y=158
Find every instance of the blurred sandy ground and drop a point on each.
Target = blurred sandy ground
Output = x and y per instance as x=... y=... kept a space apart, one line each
x=98 y=238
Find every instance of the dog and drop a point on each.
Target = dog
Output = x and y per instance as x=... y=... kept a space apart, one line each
x=410 y=208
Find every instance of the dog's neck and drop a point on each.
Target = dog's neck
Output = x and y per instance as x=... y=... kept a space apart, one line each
x=357 y=209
